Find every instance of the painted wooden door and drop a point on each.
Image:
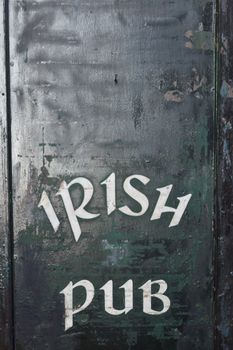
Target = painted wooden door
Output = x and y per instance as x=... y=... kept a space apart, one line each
x=110 y=155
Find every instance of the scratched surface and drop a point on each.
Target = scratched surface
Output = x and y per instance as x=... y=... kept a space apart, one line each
x=5 y=290
x=224 y=279
x=103 y=86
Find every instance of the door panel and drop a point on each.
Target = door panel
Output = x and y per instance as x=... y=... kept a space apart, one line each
x=118 y=88
x=6 y=335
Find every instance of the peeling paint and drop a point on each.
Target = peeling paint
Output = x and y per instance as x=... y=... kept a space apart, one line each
x=199 y=40
x=224 y=283
x=174 y=96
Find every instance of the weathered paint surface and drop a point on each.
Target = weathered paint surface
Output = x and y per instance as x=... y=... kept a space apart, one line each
x=224 y=278
x=5 y=277
x=112 y=86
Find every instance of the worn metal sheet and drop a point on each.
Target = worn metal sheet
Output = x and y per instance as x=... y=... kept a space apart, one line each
x=101 y=87
x=5 y=259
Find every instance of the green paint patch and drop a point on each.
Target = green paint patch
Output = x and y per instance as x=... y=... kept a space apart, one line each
x=200 y=40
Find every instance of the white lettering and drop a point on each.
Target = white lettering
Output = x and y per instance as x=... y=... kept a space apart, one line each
x=110 y=184
x=108 y=292
x=147 y=307
x=80 y=212
x=162 y=208
x=69 y=308
x=136 y=195
x=48 y=208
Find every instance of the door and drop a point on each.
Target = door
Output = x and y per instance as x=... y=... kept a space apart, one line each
x=112 y=166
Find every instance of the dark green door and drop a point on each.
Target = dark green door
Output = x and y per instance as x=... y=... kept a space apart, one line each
x=112 y=170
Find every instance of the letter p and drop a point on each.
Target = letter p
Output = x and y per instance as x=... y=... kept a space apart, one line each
x=69 y=307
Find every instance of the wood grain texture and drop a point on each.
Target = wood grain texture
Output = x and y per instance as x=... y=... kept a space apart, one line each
x=103 y=86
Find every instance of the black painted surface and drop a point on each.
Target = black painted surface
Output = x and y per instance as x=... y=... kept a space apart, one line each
x=224 y=175
x=97 y=87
